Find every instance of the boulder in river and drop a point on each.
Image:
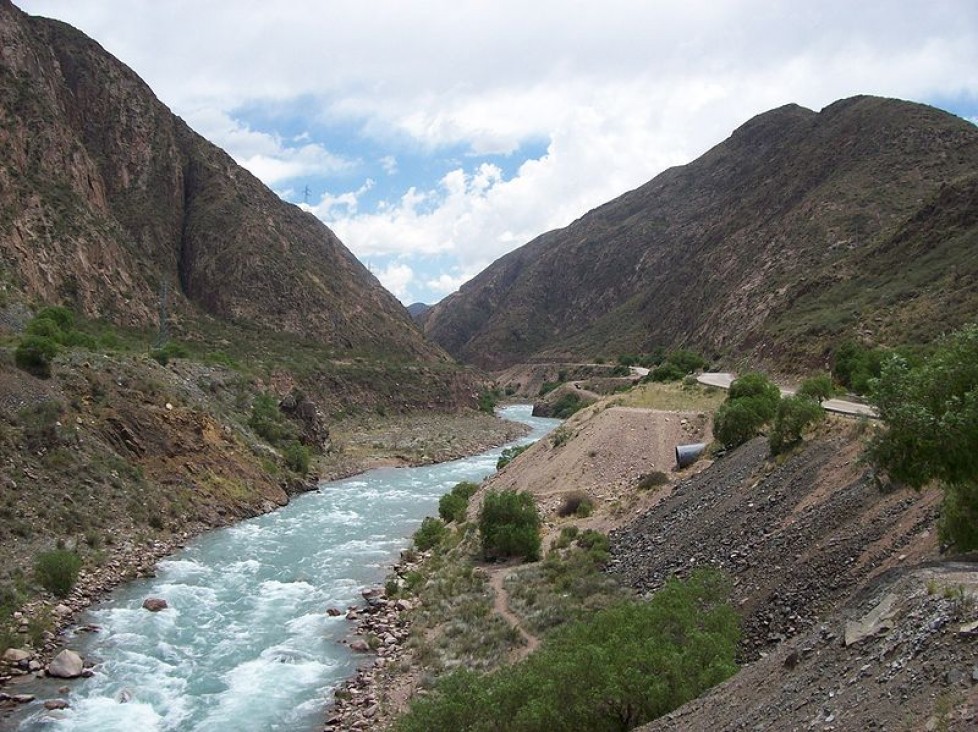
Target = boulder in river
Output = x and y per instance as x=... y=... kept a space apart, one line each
x=155 y=604
x=16 y=655
x=66 y=665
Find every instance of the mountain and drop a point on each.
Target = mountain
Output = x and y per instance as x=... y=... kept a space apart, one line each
x=106 y=196
x=800 y=230
x=417 y=310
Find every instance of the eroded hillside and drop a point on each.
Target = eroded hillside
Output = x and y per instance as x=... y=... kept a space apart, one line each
x=800 y=230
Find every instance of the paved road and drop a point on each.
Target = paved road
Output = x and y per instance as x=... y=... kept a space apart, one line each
x=840 y=406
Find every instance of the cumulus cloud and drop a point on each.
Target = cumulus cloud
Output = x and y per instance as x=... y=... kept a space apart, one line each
x=271 y=157
x=614 y=91
x=397 y=278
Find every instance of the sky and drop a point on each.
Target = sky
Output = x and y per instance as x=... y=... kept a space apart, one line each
x=434 y=136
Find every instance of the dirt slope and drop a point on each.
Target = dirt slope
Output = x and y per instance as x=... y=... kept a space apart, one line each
x=917 y=674
x=606 y=452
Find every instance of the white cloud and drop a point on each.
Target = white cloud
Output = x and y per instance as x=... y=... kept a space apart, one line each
x=396 y=277
x=389 y=164
x=270 y=157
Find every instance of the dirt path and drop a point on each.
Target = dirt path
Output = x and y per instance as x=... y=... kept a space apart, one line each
x=501 y=606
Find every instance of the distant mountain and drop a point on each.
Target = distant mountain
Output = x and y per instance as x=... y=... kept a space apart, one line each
x=417 y=310
x=798 y=231
x=105 y=196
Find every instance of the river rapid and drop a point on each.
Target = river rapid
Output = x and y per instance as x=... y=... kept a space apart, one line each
x=246 y=643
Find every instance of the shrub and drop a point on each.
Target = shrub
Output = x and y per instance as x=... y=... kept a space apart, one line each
x=452 y=508
x=567 y=405
x=561 y=436
x=465 y=489
x=751 y=402
x=795 y=414
x=548 y=386
x=666 y=372
x=576 y=503
x=509 y=455
x=510 y=526
x=297 y=457
x=34 y=354
x=431 y=533
x=686 y=361
x=57 y=571
x=268 y=421
x=60 y=316
x=652 y=480
x=488 y=399
x=855 y=366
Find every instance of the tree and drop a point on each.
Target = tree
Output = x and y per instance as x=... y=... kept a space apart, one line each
x=818 y=388
x=930 y=413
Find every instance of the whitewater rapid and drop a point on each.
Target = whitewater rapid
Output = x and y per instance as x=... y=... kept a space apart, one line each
x=246 y=643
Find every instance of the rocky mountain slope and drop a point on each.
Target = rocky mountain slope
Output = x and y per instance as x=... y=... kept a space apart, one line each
x=798 y=231
x=106 y=196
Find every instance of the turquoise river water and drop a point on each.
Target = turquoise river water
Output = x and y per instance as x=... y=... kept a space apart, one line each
x=246 y=643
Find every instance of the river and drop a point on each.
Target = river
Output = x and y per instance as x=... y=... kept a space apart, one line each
x=246 y=643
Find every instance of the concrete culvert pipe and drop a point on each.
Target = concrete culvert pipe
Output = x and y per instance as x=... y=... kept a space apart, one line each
x=686 y=455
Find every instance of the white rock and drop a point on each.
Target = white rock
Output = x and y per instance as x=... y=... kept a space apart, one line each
x=66 y=665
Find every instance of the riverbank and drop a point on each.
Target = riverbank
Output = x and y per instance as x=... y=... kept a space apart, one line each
x=376 y=441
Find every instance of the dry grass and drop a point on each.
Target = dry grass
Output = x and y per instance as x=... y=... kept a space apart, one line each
x=672 y=397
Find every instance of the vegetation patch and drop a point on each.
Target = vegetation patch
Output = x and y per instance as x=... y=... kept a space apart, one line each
x=509 y=525
x=57 y=571
x=930 y=414
x=626 y=665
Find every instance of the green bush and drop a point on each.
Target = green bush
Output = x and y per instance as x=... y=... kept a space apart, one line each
x=548 y=386
x=57 y=570
x=488 y=399
x=466 y=489
x=855 y=366
x=624 y=666
x=45 y=328
x=60 y=316
x=666 y=372
x=431 y=533
x=452 y=508
x=752 y=401
x=297 y=457
x=509 y=524
x=509 y=455
x=567 y=405
x=686 y=361
x=795 y=414
x=268 y=421
x=34 y=354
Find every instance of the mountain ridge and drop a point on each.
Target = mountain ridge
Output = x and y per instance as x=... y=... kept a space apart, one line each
x=726 y=252
x=107 y=195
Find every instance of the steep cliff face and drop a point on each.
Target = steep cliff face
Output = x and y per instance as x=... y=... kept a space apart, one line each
x=105 y=195
x=801 y=229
